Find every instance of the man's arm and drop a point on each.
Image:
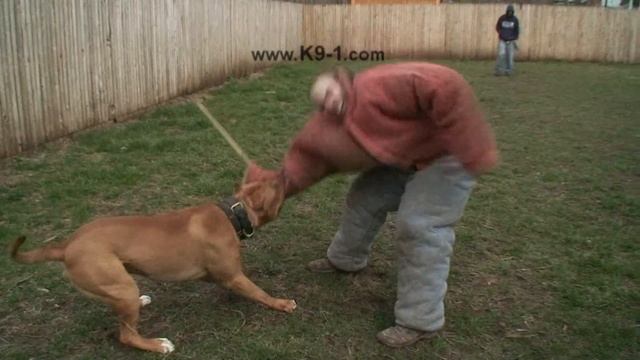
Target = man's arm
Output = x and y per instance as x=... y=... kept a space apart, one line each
x=321 y=148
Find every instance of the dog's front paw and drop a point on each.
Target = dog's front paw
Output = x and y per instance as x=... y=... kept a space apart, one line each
x=288 y=305
x=166 y=344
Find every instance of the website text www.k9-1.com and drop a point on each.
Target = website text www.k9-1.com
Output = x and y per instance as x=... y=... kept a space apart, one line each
x=317 y=53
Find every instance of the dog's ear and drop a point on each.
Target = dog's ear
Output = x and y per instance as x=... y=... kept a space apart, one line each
x=264 y=197
x=255 y=172
x=253 y=196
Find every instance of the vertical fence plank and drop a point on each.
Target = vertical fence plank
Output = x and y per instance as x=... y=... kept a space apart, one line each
x=7 y=98
x=634 y=49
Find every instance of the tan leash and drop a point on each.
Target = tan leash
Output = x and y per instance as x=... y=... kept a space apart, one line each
x=224 y=132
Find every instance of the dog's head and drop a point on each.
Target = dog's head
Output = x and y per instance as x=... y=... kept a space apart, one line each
x=262 y=192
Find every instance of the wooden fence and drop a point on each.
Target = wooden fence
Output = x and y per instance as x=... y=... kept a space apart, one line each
x=467 y=31
x=73 y=64
x=381 y=2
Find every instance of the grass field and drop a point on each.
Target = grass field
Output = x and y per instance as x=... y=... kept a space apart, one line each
x=546 y=264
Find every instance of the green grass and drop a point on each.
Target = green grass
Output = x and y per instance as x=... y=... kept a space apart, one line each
x=546 y=265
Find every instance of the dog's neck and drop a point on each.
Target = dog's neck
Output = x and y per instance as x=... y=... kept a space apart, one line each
x=255 y=220
x=243 y=218
x=251 y=214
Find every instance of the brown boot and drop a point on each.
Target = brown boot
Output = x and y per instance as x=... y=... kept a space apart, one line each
x=321 y=266
x=400 y=336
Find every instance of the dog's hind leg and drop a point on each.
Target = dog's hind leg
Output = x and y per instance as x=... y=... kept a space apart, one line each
x=145 y=300
x=128 y=312
x=107 y=279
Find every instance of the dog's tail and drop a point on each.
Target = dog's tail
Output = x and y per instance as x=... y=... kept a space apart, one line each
x=51 y=252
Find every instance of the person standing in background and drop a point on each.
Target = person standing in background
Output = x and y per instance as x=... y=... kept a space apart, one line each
x=508 y=30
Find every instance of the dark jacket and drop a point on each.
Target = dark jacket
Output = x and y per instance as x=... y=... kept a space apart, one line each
x=507 y=27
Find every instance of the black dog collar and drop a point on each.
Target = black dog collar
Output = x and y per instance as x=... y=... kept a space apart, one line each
x=237 y=214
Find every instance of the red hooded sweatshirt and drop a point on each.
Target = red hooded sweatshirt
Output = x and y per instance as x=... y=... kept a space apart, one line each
x=404 y=115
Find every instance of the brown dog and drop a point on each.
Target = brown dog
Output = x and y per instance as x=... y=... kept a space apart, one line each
x=194 y=243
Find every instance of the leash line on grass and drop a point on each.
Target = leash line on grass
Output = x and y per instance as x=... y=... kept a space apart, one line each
x=223 y=132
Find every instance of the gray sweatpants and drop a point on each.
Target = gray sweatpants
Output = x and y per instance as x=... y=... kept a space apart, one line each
x=429 y=202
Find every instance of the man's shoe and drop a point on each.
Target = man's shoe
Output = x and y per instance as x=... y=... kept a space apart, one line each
x=400 y=336
x=321 y=266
